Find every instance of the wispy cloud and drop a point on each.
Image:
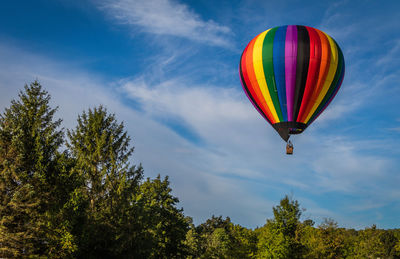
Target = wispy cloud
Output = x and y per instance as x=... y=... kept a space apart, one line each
x=203 y=107
x=343 y=166
x=167 y=17
x=395 y=129
x=391 y=57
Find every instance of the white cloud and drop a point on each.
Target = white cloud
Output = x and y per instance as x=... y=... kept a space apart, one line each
x=204 y=108
x=166 y=17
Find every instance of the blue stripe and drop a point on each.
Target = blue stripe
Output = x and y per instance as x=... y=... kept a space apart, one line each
x=279 y=68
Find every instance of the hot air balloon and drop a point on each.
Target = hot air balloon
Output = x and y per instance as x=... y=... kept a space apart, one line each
x=291 y=74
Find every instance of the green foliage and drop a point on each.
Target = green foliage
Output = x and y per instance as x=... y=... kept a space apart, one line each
x=220 y=238
x=376 y=243
x=245 y=245
x=327 y=241
x=279 y=238
x=287 y=216
x=272 y=242
x=163 y=226
x=215 y=238
x=192 y=241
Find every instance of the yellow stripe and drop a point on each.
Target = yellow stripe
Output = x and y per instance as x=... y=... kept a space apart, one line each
x=329 y=78
x=259 y=71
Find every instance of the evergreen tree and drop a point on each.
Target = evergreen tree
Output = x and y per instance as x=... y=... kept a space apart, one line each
x=100 y=146
x=29 y=191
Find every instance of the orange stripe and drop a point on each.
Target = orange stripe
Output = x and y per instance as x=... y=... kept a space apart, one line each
x=253 y=86
x=333 y=66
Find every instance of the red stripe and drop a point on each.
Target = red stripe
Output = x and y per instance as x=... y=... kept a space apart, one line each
x=330 y=100
x=313 y=70
x=247 y=91
x=323 y=72
x=251 y=80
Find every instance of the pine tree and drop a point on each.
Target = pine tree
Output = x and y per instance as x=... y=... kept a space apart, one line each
x=100 y=146
x=29 y=143
x=124 y=217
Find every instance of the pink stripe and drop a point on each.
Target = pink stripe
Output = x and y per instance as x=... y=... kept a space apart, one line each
x=290 y=67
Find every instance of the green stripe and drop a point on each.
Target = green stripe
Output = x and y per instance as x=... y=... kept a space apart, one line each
x=267 y=57
x=333 y=85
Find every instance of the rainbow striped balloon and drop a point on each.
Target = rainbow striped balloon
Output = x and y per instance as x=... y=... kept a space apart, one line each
x=291 y=74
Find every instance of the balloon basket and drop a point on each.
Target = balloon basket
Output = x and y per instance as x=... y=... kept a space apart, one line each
x=289 y=148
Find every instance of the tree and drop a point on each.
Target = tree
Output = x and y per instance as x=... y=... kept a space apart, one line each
x=279 y=238
x=192 y=241
x=163 y=227
x=220 y=238
x=272 y=243
x=245 y=242
x=327 y=241
x=101 y=149
x=29 y=190
x=373 y=242
x=287 y=216
x=213 y=237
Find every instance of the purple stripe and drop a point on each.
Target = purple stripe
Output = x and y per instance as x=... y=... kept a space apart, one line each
x=290 y=67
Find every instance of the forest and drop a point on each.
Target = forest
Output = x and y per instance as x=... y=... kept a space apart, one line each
x=74 y=194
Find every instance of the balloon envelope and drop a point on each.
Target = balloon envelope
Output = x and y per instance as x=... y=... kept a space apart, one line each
x=291 y=74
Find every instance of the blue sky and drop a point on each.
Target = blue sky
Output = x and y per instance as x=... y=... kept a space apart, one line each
x=169 y=70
